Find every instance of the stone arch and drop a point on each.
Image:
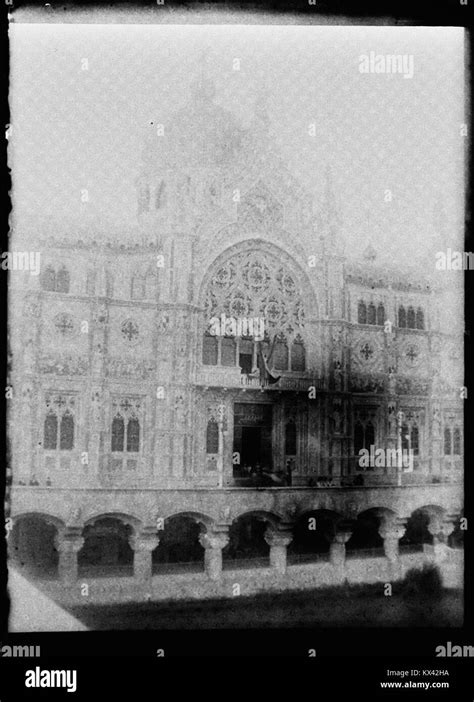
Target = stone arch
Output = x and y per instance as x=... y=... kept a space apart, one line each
x=431 y=510
x=225 y=232
x=270 y=518
x=32 y=544
x=247 y=544
x=365 y=534
x=264 y=247
x=106 y=549
x=203 y=519
x=180 y=546
x=417 y=531
x=134 y=522
x=313 y=532
x=296 y=313
x=48 y=518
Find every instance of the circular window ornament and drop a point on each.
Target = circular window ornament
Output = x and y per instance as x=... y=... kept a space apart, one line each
x=412 y=355
x=64 y=324
x=366 y=352
x=225 y=276
x=238 y=305
x=130 y=332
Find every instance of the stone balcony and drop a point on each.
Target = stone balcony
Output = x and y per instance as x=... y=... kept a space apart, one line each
x=231 y=377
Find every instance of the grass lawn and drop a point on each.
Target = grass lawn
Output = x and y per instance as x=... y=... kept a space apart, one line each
x=347 y=605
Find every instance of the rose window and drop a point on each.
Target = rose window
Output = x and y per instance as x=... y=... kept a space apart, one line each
x=366 y=351
x=130 y=331
x=256 y=284
x=64 y=324
x=412 y=355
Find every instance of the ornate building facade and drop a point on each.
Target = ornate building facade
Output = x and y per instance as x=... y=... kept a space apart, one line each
x=127 y=412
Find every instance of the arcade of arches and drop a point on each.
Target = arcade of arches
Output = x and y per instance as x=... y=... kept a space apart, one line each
x=115 y=546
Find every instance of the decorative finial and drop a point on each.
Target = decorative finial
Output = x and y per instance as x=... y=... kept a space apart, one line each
x=370 y=253
x=204 y=88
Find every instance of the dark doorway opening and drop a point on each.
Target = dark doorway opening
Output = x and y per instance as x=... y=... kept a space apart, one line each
x=252 y=442
x=251 y=453
x=245 y=362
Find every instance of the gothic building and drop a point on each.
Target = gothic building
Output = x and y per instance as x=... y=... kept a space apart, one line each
x=129 y=413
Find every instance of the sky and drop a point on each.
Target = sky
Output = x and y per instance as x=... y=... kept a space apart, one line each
x=82 y=97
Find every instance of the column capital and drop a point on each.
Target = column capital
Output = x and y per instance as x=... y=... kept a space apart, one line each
x=143 y=542
x=393 y=530
x=275 y=537
x=214 y=541
x=68 y=543
x=442 y=526
x=342 y=536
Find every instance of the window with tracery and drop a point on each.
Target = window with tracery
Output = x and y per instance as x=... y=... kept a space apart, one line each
x=371 y=314
x=457 y=441
x=447 y=442
x=415 y=440
x=290 y=438
x=280 y=354
x=48 y=279
x=62 y=280
x=212 y=437
x=256 y=285
x=160 y=198
x=405 y=437
x=298 y=356
x=420 y=319
x=55 y=281
x=66 y=432
x=362 y=313
x=209 y=350
x=364 y=435
x=452 y=441
x=58 y=428
x=50 y=434
x=118 y=433
x=380 y=315
x=402 y=318
x=228 y=351
x=127 y=417
x=138 y=287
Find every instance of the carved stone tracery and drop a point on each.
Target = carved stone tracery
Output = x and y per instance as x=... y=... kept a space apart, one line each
x=257 y=284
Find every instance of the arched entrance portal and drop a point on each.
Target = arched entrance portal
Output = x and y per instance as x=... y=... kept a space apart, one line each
x=255 y=329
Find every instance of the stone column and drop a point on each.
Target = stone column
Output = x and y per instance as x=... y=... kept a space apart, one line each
x=68 y=544
x=213 y=543
x=391 y=533
x=337 y=549
x=278 y=542
x=441 y=528
x=143 y=544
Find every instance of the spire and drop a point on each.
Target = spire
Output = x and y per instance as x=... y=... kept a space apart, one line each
x=330 y=202
x=204 y=88
x=370 y=253
x=261 y=107
x=439 y=221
